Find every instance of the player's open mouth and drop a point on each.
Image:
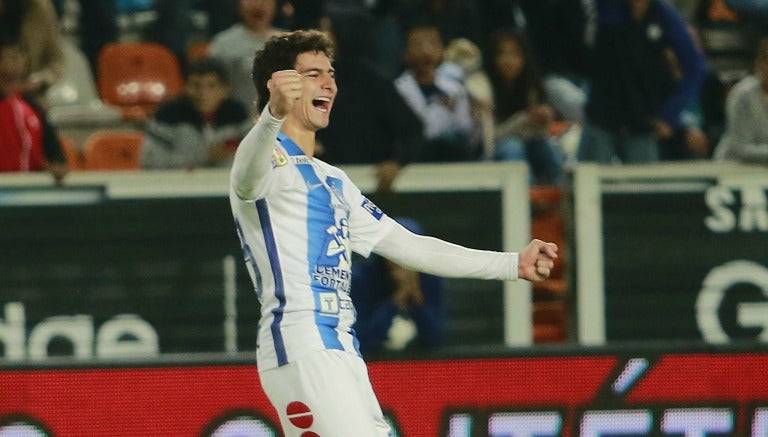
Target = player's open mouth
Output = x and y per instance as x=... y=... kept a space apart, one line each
x=322 y=103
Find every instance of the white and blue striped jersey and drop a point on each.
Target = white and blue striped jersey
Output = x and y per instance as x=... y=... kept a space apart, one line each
x=298 y=233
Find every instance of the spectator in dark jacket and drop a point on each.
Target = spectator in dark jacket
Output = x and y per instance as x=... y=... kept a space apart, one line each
x=635 y=99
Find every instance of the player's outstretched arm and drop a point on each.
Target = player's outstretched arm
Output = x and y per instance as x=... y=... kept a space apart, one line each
x=441 y=258
x=537 y=260
x=253 y=159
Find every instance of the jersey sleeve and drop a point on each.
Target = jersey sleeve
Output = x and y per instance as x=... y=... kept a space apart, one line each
x=368 y=222
x=441 y=258
x=253 y=159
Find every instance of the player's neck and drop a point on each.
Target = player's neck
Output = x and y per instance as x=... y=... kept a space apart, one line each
x=303 y=138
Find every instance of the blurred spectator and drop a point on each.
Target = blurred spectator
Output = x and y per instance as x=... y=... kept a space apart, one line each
x=522 y=112
x=496 y=15
x=33 y=23
x=556 y=30
x=387 y=132
x=301 y=14
x=173 y=27
x=97 y=26
x=441 y=103
x=463 y=61
x=688 y=141
x=635 y=99
x=388 y=41
x=746 y=133
x=701 y=124
x=237 y=45
x=396 y=308
x=453 y=18
x=29 y=142
x=200 y=128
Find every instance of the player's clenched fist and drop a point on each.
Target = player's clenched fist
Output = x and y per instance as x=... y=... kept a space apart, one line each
x=285 y=89
x=537 y=260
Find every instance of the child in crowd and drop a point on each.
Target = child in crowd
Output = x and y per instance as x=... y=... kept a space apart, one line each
x=200 y=128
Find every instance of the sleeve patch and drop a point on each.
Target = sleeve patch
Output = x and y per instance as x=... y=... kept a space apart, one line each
x=278 y=158
x=372 y=209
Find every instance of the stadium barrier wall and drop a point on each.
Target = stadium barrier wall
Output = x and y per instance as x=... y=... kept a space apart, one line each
x=153 y=256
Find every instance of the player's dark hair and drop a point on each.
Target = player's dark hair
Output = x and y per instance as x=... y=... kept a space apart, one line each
x=207 y=65
x=280 y=53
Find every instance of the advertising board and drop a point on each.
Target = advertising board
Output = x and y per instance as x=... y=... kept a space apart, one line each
x=672 y=253
x=698 y=393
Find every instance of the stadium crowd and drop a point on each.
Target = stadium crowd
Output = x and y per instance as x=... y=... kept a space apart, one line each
x=550 y=83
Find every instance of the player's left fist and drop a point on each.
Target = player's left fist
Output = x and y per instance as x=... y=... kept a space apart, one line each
x=536 y=260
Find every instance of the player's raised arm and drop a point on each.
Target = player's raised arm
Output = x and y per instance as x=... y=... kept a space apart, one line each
x=253 y=159
x=441 y=258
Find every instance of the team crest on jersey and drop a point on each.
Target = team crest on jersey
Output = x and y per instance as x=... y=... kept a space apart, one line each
x=278 y=157
x=332 y=269
x=335 y=185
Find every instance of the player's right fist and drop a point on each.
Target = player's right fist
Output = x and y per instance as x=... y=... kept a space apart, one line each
x=285 y=89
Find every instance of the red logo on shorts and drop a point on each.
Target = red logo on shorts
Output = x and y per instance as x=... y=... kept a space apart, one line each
x=299 y=414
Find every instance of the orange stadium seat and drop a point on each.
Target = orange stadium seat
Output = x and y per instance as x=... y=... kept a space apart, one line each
x=198 y=50
x=113 y=150
x=137 y=76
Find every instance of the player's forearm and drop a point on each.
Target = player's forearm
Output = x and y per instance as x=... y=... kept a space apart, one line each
x=440 y=258
x=253 y=159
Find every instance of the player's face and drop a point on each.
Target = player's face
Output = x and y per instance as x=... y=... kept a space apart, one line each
x=319 y=83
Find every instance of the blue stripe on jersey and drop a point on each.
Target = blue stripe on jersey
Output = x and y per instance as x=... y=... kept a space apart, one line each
x=277 y=274
x=250 y=260
x=320 y=217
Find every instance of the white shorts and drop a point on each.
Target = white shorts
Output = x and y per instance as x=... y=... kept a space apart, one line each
x=327 y=393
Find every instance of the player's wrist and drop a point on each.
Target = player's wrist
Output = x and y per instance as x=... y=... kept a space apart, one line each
x=275 y=116
x=514 y=267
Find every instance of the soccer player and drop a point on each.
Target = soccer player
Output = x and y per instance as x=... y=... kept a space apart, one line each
x=298 y=220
